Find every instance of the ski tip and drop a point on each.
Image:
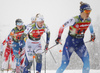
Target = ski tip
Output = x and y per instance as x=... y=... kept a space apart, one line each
x=33 y=57
x=60 y=50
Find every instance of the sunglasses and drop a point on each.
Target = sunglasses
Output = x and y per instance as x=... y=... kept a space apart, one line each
x=87 y=11
x=19 y=24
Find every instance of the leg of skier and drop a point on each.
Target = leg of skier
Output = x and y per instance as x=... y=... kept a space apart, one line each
x=38 y=63
x=6 y=56
x=13 y=66
x=17 y=56
x=66 y=55
x=22 y=65
x=84 y=55
x=27 y=66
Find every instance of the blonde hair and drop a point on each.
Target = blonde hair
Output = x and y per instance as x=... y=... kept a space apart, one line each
x=36 y=16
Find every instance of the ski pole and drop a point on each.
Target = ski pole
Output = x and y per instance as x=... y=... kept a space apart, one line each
x=52 y=56
x=49 y=48
x=84 y=42
x=45 y=63
x=88 y=41
x=50 y=52
x=34 y=61
x=52 y=47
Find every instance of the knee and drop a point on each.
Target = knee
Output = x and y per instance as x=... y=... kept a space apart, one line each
x=39 y=58
x=29 y=65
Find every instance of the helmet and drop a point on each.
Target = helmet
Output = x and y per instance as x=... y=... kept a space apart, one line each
x=39 y=17
x=33 y=18
x=19 y=22
x=84 y=6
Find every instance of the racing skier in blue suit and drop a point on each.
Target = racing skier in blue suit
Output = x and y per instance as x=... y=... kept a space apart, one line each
x=74 y=42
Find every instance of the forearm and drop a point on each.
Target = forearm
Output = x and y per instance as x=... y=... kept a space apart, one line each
x=23 y=36
x=91 y=29
x=60 y=31
x=48 y=37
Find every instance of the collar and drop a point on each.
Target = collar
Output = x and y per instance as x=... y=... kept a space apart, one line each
x=80 y=18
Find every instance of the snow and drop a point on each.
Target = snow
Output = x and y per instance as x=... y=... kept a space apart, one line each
x=66 y=71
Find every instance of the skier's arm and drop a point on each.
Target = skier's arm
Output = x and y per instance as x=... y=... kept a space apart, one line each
x=27 y=30
x=47 y=35
x=91 y=29
x=92 y=32
x=4 y=42
x=66 y=24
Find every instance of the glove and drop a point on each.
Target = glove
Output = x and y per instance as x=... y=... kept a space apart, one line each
x=46 y=47
x=93 y=37
x=57 y=40
x=1 y=53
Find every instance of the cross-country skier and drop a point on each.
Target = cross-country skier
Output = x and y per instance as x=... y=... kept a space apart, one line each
x=74 y=42
x=7 y=52
x=33 y=46
x=15 y=34
x=22 y=65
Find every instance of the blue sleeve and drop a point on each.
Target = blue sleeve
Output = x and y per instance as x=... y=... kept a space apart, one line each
x=91 y=29
x=48 y=37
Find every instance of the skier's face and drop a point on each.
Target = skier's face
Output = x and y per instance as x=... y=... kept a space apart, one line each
x=85 y=14
x=19 y=27
x=40 y=23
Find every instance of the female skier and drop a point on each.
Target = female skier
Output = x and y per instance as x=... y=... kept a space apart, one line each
x=74 y=42
x=33 y=46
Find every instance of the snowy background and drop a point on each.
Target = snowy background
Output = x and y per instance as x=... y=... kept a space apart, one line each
x=55 y=12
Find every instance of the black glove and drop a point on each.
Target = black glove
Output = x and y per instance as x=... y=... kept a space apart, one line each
x=93 y=37
x=57 y=40
x=46 y=47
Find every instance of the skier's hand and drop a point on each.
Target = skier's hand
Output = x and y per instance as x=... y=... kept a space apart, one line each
x=57 y=40
x=1 y=53
x=93 y=37
x=46 y=47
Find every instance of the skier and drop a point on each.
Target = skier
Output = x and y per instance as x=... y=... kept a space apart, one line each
x=33 y=43
x=15 y=36
x=22 y=64
x=74 y=42
x=7 y=52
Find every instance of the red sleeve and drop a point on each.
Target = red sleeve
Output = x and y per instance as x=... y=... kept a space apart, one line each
x=60 y=31
x=4 y=42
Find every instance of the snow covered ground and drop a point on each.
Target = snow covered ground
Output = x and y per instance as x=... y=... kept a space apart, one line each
x=67 y=71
